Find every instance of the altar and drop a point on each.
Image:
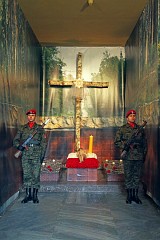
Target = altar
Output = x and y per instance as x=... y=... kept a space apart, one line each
x=85 y=170
x=90 y=161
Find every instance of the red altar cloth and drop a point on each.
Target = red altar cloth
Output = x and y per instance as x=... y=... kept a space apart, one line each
x=87 y=163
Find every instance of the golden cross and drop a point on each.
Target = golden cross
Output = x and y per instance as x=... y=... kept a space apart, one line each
x=79 y=84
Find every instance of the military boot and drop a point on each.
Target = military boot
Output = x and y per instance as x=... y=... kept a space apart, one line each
x=30 y=198
x=35 y=198
x=135 y=197
x=129 y=196
x=25 y=199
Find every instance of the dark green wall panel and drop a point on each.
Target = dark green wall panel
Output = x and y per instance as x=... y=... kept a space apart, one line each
x=20 y=55
x=142 y=88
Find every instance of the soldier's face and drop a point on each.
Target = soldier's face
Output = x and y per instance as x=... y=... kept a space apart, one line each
x=131 y=118
x=31 y=117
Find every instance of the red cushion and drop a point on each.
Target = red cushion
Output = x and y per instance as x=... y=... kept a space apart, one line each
x=87 y=163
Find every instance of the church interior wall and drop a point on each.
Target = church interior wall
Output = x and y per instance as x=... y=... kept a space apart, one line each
x=20 y=55
x=142 y=88
x=20 y=87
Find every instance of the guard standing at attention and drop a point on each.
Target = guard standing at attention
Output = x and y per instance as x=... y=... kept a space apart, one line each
x=32 y=155
x=135 y=155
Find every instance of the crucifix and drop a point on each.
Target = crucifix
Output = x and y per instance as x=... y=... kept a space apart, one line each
x=79 y=84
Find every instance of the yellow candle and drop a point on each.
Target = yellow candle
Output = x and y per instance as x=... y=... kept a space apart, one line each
x=90 y=144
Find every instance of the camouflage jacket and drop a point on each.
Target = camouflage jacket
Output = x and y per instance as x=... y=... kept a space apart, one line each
x=36 y=146
x=138 y=148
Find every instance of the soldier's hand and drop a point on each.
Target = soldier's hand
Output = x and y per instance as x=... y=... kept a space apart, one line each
x=26 y=147
x=132 y=146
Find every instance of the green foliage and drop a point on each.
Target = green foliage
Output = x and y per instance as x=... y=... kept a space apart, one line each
x=51 y=64
x=52 y=61
x=109 y=68
x=159 y=52
x=109 y=64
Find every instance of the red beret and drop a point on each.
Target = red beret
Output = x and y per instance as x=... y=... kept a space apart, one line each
x=130 y=112
x=31 y=111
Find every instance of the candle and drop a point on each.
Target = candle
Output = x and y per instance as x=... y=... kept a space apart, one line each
x=90 y=144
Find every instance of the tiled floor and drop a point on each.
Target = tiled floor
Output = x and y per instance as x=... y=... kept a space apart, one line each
x=81 y=214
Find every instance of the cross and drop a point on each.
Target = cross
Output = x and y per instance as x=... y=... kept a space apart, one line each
x=79 y=84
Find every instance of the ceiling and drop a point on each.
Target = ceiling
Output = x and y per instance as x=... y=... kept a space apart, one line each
x=75 y=23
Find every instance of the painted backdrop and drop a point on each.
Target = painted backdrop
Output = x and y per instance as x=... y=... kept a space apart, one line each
x=101 y=109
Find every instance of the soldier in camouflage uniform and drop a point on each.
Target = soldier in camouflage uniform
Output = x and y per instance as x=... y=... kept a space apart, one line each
x=135 y=156
x=32 y=155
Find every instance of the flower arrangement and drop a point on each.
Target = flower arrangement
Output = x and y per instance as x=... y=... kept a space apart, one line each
x=113 y=166
x=51 y=165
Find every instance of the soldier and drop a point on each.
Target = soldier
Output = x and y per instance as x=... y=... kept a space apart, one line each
x=32 y=155
x=135 y=156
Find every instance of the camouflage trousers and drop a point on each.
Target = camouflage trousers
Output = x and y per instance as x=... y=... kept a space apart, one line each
x=132 y=173
x=31 y=172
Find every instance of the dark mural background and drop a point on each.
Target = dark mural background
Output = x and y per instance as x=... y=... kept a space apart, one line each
x=142 y=88
x=20 y=64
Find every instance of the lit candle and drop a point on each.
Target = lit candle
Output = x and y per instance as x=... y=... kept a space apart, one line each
x=90 y=144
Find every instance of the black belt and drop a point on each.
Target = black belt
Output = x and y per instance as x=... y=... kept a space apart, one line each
x=136 y=145
x=33 y=144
